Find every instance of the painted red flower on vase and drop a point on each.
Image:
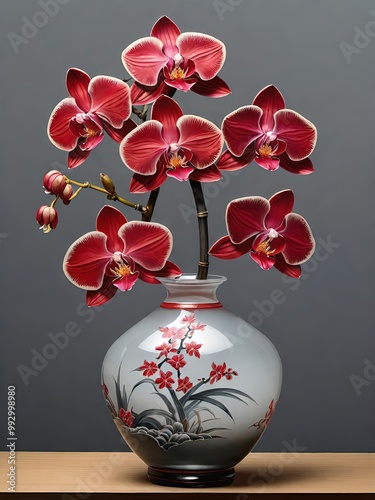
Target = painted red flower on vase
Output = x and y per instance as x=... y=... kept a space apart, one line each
x=269 y=134
x=148 y=368
x=166 y=348
x=169 y=60
x=165 y=380
x=126 y=417
x=263 y=422
x=267 y=230
x=177 y=361
x=78 y=122
x=171 y=144
x=192 y=349
x=184 y=385
x=118 y=253
x=172 y=332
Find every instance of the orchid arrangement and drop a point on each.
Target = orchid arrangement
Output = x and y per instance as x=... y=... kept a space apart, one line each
x=172 y=146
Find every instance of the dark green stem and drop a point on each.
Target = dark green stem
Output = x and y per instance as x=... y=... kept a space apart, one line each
x=147 y=216
x=202 y=215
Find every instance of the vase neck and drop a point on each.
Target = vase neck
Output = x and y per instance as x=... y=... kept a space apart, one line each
x=187 y=292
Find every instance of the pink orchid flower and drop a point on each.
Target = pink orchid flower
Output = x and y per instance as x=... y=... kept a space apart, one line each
x=171 y=144
x=78 y=122
x=270 y=134
x=118 y=253
x=268 y=231
x=168 y=60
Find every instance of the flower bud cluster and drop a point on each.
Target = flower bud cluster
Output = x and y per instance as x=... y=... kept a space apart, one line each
x=54 y=182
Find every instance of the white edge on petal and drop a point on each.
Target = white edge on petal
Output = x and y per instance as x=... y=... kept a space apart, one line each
x=134 y=44
x=129 y=135
x=245 y=198
x=67 y=99
x=236 y=111
x=152 y=224
x=306 y=224
x=69 y=251
x=212 y=126
x=283 y=191
x=307 y=122
x=224 y=49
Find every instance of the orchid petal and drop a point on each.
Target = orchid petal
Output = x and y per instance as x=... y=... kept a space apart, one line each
x=241 y=128
x=202 y=137
x=117 y=134
x=142 y=148
x=302 y=167
x=126 y=283
x=298 y=133
x=77 y=83
x=215 y=87
x=268 y=163
x=207 y=53
x=165 y=30
x=170 y=270
x=225 y=249
x=180 y=173
x=76 y=157
x=108 y=221
x=264 y=261
x=208 y=174
x=246 y=217
x=167 y=112
x=281 y=205
x=147 y=243
x=300 y=241
x=99 y=297
x=143 y=60
x=228 y=161
x=110 y=99
x=145 y=183
x=86 y=259
x=282 y=266
x=142 y=94
x=58 y=128
x=269 y=100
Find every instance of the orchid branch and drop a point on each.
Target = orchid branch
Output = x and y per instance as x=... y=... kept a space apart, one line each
x=112 y=196
x=202 y=216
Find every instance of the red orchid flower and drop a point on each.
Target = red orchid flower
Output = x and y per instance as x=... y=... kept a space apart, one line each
x=184 y=384
x=171 y=144
x=165 y=380
x=168 y=60
x=268 y=231
x=118 y=253
x=270 y=134
x=78 y=122
x=217 y=372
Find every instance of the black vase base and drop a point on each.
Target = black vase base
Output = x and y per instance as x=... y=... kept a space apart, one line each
x=191 y=478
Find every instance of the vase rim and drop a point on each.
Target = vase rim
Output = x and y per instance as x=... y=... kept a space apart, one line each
x=191 y=278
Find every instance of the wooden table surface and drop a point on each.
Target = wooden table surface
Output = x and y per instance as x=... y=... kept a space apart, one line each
x=79 y=476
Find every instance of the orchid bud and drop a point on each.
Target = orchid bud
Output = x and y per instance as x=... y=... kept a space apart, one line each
x=47 y=218
x=66 y=194
x=108 y=183
x=54 y=182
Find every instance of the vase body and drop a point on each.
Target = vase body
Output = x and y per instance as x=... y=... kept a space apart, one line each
x=191 y=387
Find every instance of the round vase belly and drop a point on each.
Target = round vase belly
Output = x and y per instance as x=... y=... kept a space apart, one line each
x=191 y=387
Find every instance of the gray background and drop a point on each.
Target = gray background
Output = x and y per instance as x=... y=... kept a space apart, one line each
x=323 y=331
